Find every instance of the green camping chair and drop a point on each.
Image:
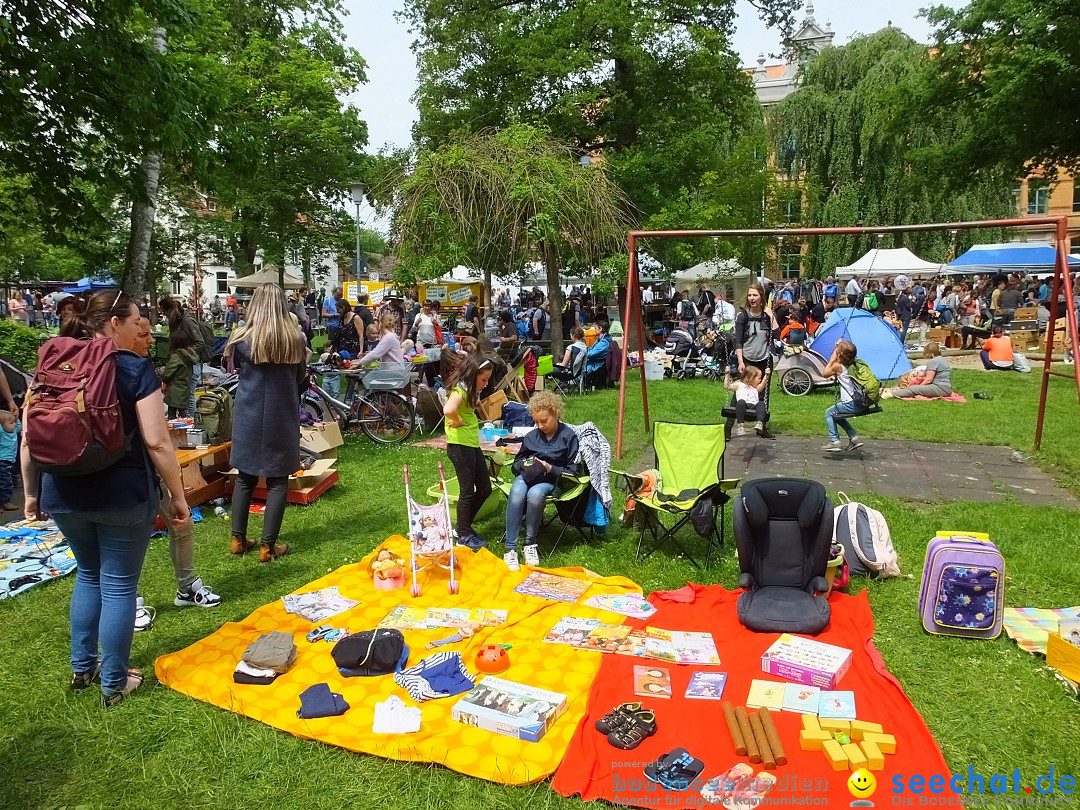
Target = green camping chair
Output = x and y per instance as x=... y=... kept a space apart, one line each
x=690 y=460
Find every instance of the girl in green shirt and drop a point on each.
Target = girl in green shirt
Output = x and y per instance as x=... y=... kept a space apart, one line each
x=463 y=444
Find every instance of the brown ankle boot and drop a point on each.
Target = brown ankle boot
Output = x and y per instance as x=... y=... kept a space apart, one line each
x=268 y=551
x=240 y=545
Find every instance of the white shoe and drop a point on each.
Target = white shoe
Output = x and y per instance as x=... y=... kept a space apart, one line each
x=854 y=443
x=144 y=615
x=740 y=430
x=833 y=447
x=511 y=560
x=532 y=556
x=197 y=594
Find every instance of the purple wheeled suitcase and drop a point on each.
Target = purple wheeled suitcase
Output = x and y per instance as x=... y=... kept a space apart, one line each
x=963 y=586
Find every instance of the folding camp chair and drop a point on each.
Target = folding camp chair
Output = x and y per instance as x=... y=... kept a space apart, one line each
x=569 y=489
x=690 y=459
x=429 y=408
x=575 y=381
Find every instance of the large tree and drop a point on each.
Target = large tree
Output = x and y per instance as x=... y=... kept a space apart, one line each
x=857 y=135
x=1011 y=68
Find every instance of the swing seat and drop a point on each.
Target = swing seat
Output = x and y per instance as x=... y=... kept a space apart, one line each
x=871 y=410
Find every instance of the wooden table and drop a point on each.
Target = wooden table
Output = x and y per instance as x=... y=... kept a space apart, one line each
x=204 y=472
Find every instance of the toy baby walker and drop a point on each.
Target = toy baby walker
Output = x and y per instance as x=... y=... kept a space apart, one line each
x=431 y=536
x=388 y=570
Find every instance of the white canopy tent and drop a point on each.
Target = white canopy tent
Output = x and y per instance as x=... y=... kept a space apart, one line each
x=268 y=275
x=723 y=271
x=878 y=263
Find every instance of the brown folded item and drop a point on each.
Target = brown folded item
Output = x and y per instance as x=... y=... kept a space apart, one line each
x=274 y=650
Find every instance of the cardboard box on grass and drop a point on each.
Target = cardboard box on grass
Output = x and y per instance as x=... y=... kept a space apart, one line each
x=307 y=480
x=322 y=439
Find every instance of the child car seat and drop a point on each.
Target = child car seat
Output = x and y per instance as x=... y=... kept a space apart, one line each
x=783 y=530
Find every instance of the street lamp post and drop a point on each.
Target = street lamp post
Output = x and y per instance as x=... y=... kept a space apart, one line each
x=357 y=194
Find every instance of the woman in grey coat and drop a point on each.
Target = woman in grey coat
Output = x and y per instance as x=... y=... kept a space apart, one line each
x=269 y=355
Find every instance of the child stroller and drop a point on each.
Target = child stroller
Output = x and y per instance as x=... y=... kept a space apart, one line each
x=431 y=535
x=683 y=351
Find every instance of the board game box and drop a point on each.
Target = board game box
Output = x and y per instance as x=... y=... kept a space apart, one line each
x=804 y=660
x=513 y=709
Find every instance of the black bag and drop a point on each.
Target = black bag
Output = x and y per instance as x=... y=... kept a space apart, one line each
x=206 y=350
x=372 y=652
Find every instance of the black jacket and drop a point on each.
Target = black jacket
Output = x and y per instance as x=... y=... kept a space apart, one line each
x=560 y=452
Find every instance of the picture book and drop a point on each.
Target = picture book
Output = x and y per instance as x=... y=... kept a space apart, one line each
x=769 y=694
x=407 y=618
x=489 y=618
x=652 y=682
x=551 y=586
x=604 y=637
x=694 y=648
x=628 y=605
x=570 y=630
x=801 y=698
x=837 y=705
x=658 y=644
x=317 y=606
x=1069 y=629
x=707 y=685
x=633 y=644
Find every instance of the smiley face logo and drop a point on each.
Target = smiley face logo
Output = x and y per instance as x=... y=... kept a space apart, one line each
x=862 y=784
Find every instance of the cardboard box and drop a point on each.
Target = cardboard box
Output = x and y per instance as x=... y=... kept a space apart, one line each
x=321 y=440
x=306 y=486
x=1022 y=341
x=806 y=661
x=514 y=709
x=1063 y=657
x=490 y=409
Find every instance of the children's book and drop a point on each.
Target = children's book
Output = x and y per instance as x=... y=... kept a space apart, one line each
x=707 y=685
x=407 y=618
x=551 y=586
x=571 y=630
x=836 y=705
x=658 y=644
x=652 y=682
x=694 y=648
x=604 y=637
x=633 y=644
x=628 y=605
x=801 y=698
x=769 y=694
x=317 y=606
x=489 y=618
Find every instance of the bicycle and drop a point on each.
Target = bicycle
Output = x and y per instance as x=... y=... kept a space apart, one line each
x=372 y=403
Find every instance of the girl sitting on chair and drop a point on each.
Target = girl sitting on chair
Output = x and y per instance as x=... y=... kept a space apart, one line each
x=546 y=454
x=842 y=358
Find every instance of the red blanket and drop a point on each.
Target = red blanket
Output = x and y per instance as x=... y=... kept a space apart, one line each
x=595 y=769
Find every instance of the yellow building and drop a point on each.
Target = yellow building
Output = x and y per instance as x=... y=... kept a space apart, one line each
x=1037 y=197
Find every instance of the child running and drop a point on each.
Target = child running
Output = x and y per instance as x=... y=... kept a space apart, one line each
x=748 y=389
x=463 y=443
x=842 y=358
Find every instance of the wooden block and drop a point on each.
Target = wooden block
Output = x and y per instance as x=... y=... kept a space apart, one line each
x=810 y=722
x=810 y=740
x=855 y=756
x=875 y=760
x=861 y=727
x=885 y=742
x=835 y=754
x=835 y=725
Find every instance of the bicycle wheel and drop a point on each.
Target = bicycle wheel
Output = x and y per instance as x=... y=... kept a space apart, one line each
x=316 y=410
x=386 y=417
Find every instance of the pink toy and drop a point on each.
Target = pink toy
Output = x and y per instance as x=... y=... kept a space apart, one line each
x=388 y=571
x=431 y=536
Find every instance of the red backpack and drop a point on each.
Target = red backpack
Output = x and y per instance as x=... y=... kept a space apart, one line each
x=73 y=420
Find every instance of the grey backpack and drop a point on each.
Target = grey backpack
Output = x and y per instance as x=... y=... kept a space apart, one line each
x=864 y=534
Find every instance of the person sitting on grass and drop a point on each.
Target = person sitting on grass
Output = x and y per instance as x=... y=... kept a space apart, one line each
x=842 y=357
x=936 y=381
x=748 y=389
x=997 y=352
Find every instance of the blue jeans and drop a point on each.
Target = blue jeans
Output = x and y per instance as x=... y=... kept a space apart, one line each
x=834 y=416
x=109 y=547
x=522 y=496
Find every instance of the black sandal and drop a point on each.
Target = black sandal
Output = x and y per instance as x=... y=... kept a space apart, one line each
x=83 y=680
x=617 y=717
x=634 y=733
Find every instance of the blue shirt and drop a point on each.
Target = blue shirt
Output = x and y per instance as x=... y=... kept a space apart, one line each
x=330 y=308
x=1044 y=292
x=9 y=442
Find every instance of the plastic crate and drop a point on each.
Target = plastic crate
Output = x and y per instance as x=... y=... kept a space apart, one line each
x=387 y=377
x=544 y=365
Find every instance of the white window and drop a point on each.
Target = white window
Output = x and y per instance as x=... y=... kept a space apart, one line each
x=176 y=287
x=211 y=203
x=1038 y=196
x=222 y=282
x=791 y=263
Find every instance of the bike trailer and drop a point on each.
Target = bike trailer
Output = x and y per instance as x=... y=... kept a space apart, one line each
x=963 y=586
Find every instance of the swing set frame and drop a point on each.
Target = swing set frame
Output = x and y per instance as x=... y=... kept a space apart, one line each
x=1062 y=281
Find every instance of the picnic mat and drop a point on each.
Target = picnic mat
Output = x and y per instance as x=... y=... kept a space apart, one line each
x=204 y=670
x=1029 y=627
x=30 y=554
x=595 y=769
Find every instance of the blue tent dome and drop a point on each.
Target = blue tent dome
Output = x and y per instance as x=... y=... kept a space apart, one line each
x=878 y=344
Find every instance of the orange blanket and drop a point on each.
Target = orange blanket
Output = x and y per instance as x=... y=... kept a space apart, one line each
x=595 y=769
x=204 y=670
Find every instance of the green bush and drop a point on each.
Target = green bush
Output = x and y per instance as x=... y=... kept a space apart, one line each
x=19 y=343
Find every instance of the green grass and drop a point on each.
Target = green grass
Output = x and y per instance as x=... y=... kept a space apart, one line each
x=989 y=704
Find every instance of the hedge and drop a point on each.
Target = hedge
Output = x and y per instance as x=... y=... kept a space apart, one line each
x=19 y=343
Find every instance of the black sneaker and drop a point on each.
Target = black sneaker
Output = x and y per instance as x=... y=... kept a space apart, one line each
x=765 y=433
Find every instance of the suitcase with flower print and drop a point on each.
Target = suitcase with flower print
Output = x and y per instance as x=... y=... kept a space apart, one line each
x=963 y=586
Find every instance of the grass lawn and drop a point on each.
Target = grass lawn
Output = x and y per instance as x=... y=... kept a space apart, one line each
x=990 y=705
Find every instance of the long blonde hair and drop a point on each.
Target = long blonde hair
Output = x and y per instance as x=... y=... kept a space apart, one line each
x=272 y=335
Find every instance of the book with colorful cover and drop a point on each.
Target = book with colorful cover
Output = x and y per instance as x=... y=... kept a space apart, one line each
x=658 y=644
x=836 y=705
x=570 y=630
x=652 y=681
x=631 y=605
x=769 y=694
x=694 y=648
x=317 y=606
x=604 y=638
x=407 y=618
x=489 y=618
x=552 y=586
x=707 y=685
x=801 y=698
x=633 y=644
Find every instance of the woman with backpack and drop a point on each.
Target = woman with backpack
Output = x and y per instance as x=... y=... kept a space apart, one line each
x=107 y=515
x=755 y=330
x=843 y=357
x=269 y=354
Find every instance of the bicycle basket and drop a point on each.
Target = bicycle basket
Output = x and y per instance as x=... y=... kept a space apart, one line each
x=387 y=377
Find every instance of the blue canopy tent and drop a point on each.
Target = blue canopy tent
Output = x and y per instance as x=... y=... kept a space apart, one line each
x=878 y=344
x=91 y=285
x=1029 y=256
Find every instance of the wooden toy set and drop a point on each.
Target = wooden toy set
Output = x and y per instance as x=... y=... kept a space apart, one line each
x=847 y=744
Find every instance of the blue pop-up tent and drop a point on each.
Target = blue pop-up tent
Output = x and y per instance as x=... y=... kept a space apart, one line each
x=91 y=285
x=877 y=343
x=1030 y=256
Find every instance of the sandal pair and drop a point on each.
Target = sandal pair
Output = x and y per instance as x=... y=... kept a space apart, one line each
x=627 y=725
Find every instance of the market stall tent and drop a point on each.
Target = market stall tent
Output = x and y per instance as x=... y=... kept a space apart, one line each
x=1029 y=256
x=727 y=272
x=878 y=263
x=268 y=275
x=90 y=285
x=877 y=343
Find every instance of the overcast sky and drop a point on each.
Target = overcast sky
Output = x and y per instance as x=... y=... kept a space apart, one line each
x=385 y=101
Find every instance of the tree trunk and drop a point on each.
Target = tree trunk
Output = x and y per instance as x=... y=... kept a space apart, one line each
x=143 y=208
x=555 y=299
x=487 y=292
